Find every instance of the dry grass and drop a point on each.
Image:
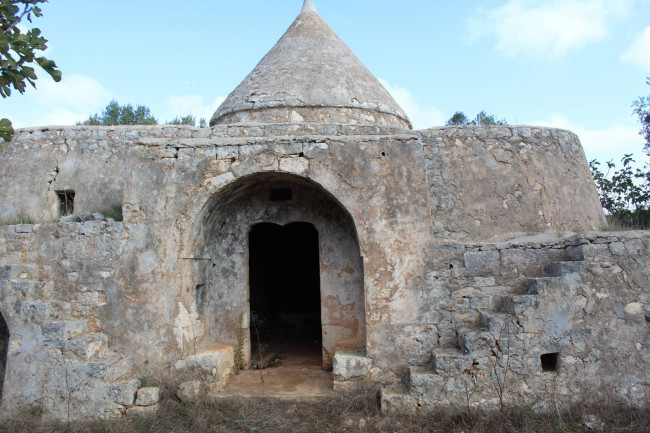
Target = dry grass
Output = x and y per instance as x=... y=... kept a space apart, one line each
x=350 y=413
x=616 y=224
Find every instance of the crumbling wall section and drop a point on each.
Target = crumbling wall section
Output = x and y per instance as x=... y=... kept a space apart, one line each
x=502 y=182
x=56 y=281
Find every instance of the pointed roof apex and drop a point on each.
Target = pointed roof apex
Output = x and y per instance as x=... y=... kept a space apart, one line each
x=308 y=7
x=310 y=76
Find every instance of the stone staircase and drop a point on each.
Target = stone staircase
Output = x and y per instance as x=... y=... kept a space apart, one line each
x=84 y=370
x=510 y=334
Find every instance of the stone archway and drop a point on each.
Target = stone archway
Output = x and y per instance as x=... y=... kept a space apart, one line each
x=4 y=349
x=222 y=245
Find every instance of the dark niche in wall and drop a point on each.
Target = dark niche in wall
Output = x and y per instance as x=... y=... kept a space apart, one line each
x=550 y=362
x=4 y=348
x=281 y=194
x=66 y=197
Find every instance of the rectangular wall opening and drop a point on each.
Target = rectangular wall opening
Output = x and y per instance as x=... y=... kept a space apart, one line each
x=550 y=362
x=281 y=194
x=66 y=198
x=285 y=303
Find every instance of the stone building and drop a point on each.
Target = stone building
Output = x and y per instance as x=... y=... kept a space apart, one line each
x=450 y=266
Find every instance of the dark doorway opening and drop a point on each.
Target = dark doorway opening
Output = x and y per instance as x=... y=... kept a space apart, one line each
x=285 y=295
x=4 y=348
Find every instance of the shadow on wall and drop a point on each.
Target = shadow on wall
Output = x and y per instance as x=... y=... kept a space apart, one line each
x=4 y=347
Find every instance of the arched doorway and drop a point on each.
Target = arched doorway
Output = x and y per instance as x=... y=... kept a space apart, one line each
x=285 y=298
x=226 y=284
x=4 y=348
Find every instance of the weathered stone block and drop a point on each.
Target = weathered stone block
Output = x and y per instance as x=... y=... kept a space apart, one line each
x=148 y=396
x=288 y=149
x=227 y=152
x=475 y=341
x=450 y=362
x=142 y=411
x=560 y=269
x=189 y=391
x=124 y=392
x=520 y=304
x=350 y=365
x=617 y=248
x=216 y=361
x=88 y=347
x=60 y=331
x=476 y=259
x=315 y=150
x=397 y=401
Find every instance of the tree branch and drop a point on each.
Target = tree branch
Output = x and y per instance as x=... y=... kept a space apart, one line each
x=20 y=18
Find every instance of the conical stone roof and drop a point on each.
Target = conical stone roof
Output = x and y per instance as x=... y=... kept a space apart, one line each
x=310 y=75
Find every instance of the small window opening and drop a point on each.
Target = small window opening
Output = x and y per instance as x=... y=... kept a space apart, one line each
x=550 y=362
x=383 y=154
x=281 y=194
x=67 y=202
x=200 y=298
x=451 y=266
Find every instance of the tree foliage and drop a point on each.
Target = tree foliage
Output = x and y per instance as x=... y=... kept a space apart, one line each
x=482 y=118
x=116 y=114
x=18 y=52
x=642 y=110
x=189 y=120
x=624 y=193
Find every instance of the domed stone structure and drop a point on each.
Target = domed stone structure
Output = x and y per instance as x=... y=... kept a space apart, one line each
x=310 y=75
x=433 y=264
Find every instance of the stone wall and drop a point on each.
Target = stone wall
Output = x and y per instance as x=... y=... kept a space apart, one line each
x=93 y=305
x=532 y=323
x=55 y=282
x=503 y=182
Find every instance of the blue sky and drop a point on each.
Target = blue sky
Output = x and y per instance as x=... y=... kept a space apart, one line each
x=575 y=64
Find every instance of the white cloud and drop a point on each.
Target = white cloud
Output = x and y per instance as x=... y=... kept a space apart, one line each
x=639 y=51
x=178 y=106
x=64 y=103
x=606 y=144
x=421 y=117
x=547 y=29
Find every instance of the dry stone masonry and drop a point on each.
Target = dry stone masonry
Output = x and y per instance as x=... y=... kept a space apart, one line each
x=455 y=267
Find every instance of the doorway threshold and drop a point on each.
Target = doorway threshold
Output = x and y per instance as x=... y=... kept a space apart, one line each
x=285 y=382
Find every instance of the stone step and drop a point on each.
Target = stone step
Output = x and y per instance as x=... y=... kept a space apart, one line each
x=475 y=341
x=519 y=305
x=560 y=269
x=349 y=368
x=397 y=400
x=496 y=323
x=428 y=388
x=450 y=361
x=537 y=286
x=212 y=364
x=88 y=347
x=112 y=368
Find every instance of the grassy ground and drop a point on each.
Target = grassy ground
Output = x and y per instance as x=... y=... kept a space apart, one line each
x=342 y=414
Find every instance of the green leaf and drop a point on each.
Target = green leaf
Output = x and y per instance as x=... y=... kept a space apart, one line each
x=6 y=130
